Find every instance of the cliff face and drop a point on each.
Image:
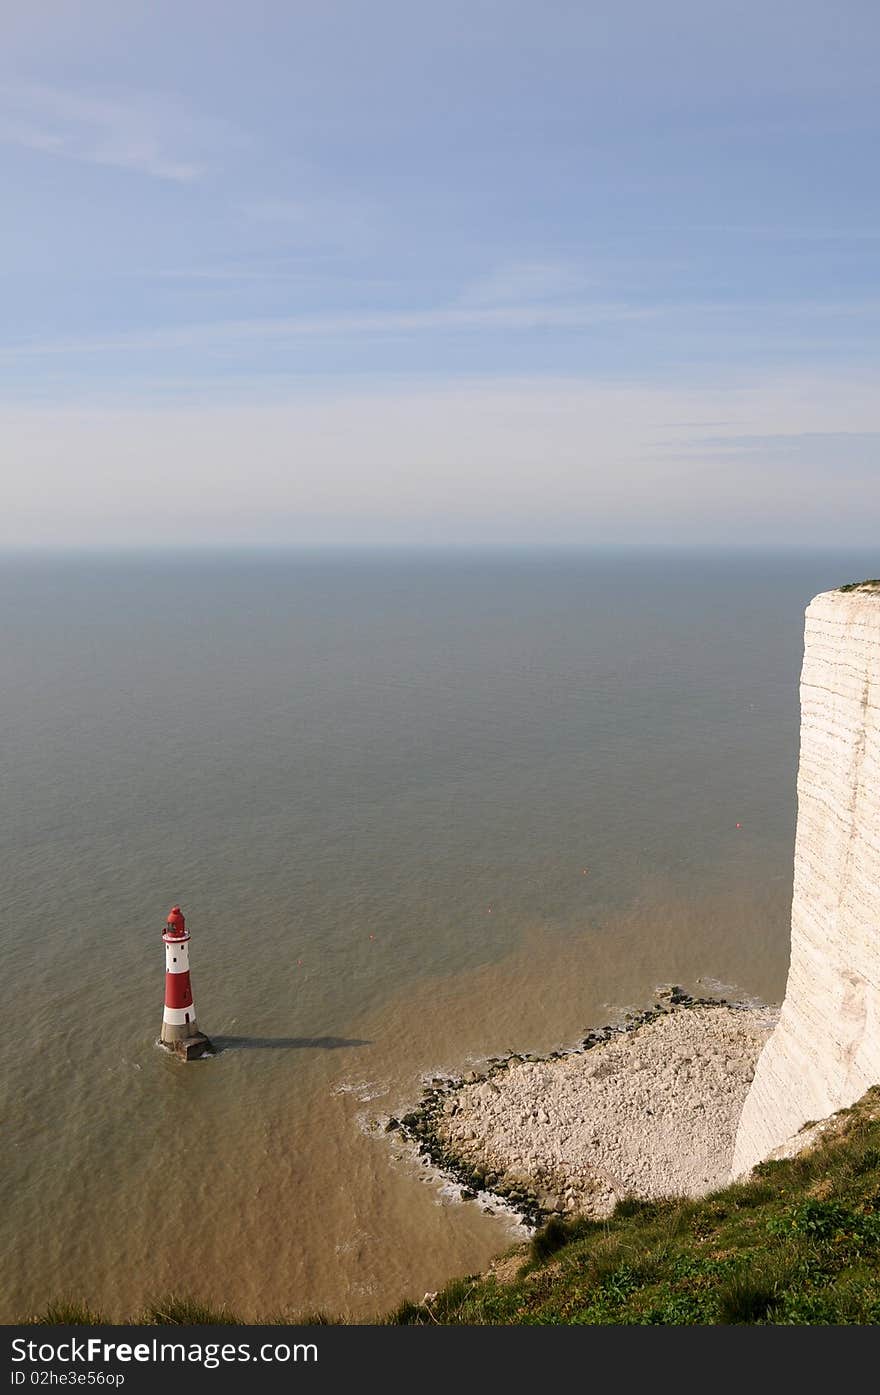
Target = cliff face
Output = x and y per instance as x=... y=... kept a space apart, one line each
x=825 y=1051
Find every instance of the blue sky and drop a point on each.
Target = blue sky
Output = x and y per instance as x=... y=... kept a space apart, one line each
x=515 y=272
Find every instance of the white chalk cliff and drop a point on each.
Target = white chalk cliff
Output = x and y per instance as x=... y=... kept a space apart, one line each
x=825 y=1051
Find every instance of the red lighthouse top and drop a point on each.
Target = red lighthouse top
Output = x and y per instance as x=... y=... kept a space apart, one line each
x=175 y=927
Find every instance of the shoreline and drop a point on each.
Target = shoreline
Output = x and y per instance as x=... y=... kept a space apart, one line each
x=648 y=1106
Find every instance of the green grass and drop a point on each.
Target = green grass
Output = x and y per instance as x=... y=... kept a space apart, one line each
x=797 y=1244
x=69 y=1312
x=174 y=1311
x=857 y=585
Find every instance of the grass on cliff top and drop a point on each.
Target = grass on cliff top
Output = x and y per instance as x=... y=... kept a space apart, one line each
x=796 y=1244
x=872 y=583
x=173 y=1310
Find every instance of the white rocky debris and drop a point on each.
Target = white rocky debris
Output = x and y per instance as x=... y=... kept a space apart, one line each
x=825 y=1052
x=652 y=1111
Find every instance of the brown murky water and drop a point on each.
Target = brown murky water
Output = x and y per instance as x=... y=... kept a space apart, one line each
x=375 y=785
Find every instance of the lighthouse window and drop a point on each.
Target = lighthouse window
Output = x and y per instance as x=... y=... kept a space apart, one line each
x=174 y=959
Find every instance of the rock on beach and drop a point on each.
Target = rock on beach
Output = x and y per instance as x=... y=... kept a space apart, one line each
x=650 y=1112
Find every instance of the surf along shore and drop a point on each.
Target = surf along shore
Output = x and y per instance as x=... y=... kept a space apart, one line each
x=648 y=1107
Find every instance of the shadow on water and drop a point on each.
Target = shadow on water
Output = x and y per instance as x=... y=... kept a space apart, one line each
x=287 y=1043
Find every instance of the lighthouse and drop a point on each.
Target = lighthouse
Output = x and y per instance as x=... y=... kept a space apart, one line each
x=180 y=1033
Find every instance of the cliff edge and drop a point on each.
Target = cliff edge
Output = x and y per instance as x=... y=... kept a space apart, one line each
x=825 y=1051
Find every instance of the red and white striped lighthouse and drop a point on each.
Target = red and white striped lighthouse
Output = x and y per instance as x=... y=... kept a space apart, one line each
x=179 y=1030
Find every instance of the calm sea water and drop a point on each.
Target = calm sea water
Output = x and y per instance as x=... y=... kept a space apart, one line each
x=418 y=809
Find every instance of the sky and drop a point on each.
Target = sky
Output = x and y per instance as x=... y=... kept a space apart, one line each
x=320 y=271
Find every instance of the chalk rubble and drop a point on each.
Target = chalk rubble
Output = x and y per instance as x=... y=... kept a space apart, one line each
x=651 y=1112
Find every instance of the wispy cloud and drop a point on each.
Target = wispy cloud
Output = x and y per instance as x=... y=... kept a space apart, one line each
x=145 y=132
x=374 y=324
x=779 y=232
x=686 y=323
x=787 y=440
x=328 y=221
x=526 y=281
x=839 y=433
x=813 y=453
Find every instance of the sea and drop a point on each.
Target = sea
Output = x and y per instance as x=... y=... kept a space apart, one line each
x=420 y=808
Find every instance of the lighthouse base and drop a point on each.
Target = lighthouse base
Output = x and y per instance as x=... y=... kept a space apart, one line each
x=190 y=1048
